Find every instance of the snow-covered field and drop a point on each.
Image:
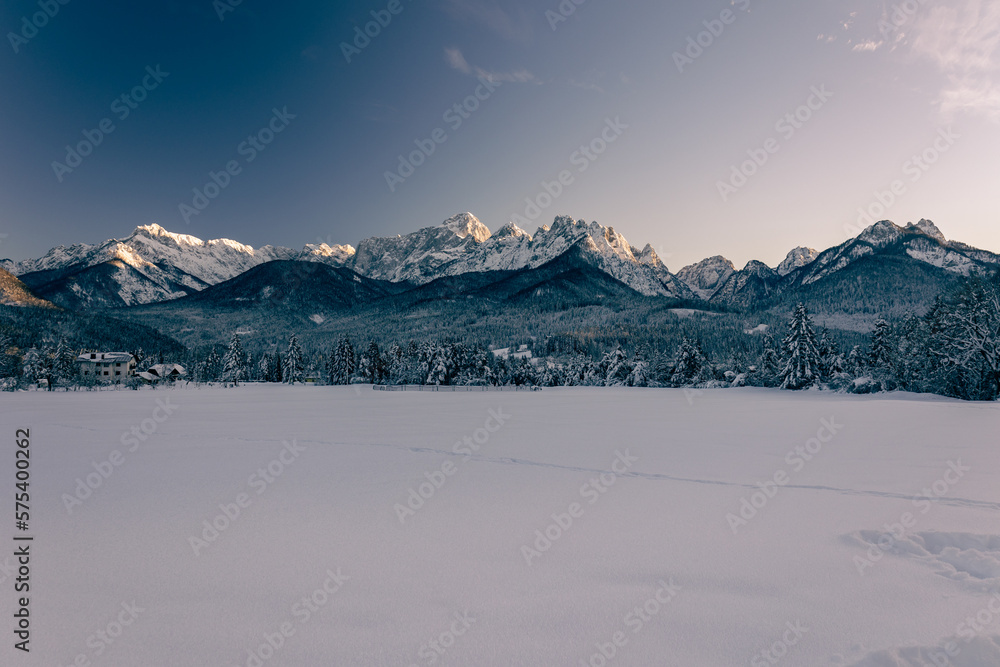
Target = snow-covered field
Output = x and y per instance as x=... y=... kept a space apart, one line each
x=564 y=527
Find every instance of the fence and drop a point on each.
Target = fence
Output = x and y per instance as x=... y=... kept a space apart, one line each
x=449 y=387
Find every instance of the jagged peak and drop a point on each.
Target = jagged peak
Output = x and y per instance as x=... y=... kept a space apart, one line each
x=325 y=250
x=466 y=224
x=796 y=258
x=929 y=228
x=710 y=261
x=648 y=256
x=883 y=231
x=156 y=231
x=512 y=230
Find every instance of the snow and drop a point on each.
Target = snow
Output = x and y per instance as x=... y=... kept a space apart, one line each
x=795 y=259
x=707 y=276
x=668 y=465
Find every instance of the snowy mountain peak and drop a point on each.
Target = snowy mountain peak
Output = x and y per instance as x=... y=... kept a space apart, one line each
x=649 y=257
x=928 y=228
x=511 y=230
x=336 y=255
x=796 y=258
x=154 y=231
x=466 y=224
x=707 y=276
x=881 y=234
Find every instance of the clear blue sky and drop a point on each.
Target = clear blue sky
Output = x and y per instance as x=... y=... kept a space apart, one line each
x=554 y=85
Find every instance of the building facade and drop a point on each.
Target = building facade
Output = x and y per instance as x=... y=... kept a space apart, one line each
x=107 y=366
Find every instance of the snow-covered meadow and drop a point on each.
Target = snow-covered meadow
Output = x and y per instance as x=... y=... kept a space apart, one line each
x=275 y=525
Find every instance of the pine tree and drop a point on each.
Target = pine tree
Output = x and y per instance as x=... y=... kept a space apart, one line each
x=33 y=366
x=882 y=345
x=277 y=368
x=687 y=365
x=293 y=367
x=340 y=366
x=372 y=366
x=64 y=366
x=234 y=364
x=264 y=368
x=7 y=365
x=802 y=359
x=212 y=367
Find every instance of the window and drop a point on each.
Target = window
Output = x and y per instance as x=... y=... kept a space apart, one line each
x=105 y=372
x=118 y=372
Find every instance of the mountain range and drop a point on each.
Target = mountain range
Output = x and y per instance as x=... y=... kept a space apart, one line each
x=887 y=269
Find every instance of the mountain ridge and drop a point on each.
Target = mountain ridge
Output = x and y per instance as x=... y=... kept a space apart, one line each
x=154 y=265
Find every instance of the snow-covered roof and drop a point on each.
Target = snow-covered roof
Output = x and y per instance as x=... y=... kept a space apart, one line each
x=164 y=370
x=106 y=357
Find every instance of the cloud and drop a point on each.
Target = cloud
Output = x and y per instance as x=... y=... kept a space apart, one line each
x=512 y=24
x=963 y=41
x=868 y=45
x=456 y=60
x=590 y=81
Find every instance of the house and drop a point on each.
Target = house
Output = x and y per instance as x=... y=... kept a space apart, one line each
x=106 y=366
x=160 y=372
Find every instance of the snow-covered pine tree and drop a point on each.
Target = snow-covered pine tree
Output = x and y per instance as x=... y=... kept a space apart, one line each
x=687 y=365
x=639 y=376
x=616 y=366
x=882 y=344
x=372 y=366
x=234 y=363
x=64 y=366
x=7 y=365
x=293 y=367
x=801 y=353
x=264 y=368
x=33 y=365
x=965 y=338
x=340 y=366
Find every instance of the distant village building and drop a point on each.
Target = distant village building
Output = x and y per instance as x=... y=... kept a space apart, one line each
x=161 y=372
x=107 y=366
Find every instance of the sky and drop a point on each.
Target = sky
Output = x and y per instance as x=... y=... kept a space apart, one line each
x=739 y=128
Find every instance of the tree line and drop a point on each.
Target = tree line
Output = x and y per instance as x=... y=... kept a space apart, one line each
x=952 y=350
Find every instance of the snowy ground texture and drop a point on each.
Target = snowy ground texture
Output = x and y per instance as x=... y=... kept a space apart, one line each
x=655 y=544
